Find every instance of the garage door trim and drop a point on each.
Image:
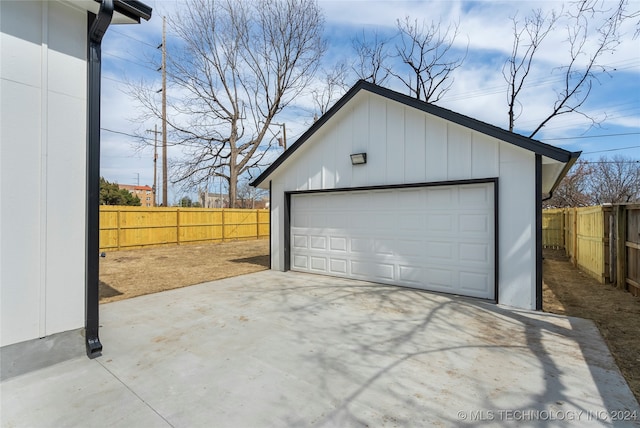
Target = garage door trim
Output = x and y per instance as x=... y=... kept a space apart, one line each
x=494 y=181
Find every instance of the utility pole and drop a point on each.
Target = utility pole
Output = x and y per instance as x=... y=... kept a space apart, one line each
x=282 y=141
x=155 y=164
x=164 y=112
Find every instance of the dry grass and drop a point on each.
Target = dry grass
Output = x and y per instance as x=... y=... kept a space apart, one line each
x=567 y=291
x=125 y=274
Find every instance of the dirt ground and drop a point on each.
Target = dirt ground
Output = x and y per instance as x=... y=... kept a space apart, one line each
x=130 y=273
x=566 y=290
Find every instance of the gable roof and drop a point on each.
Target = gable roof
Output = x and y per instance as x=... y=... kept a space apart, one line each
x=530 y=144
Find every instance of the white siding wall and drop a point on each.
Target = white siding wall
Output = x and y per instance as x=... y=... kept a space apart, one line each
x=42 y=169
x=404 y=145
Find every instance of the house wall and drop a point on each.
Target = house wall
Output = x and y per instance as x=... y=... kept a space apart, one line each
x=404 y=145
x=42 y=148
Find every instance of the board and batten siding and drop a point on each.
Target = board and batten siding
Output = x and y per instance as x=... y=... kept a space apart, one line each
x=404 y=146
x=42 y=168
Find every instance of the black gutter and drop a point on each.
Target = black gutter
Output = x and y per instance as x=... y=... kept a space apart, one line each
x=132 y=9
x=98 y=25
x=527 y=143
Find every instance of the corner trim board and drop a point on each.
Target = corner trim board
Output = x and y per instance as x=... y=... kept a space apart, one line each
x=538 y=232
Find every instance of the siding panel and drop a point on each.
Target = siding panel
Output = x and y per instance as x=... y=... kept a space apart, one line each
x=414 y=170
x=459 y=152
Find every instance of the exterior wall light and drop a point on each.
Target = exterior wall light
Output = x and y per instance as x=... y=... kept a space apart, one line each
x=358 y=158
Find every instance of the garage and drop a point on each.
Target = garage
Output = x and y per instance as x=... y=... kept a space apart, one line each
x=438 y=238
x=390 y=189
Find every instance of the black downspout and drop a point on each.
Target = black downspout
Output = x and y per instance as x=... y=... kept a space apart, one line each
x=270 y=225
x=538 y=202
x=98 y=25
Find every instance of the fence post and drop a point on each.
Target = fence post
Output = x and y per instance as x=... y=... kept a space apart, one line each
x=178 y=226
x=612 y=247
x=257 y=224
x=575 y=237
x=562 y=237
x=223 y=228
x=621 y=238
x=118 y=228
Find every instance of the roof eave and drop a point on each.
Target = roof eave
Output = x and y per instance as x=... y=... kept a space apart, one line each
x=572 y=160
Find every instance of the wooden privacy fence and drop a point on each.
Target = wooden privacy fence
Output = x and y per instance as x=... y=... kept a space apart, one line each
x=603 y=241
x=136 y=227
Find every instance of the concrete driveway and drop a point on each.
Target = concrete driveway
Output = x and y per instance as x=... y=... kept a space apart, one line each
x=275 y=349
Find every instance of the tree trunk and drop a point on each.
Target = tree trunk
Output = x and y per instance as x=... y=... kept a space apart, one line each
x=233 y=179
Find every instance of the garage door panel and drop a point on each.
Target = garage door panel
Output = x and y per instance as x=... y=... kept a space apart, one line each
x=439 y=197
x=474 y=223
x=411 y=275
x=338 y=266
x=338 y=243
x=474 y=281
x=409 y=222
x=434 y=238
x=440 y=223
x=474 y=196
x=440 y=278
x=409 y=248
x=384 y=246
x=383 y=271
x=300 y=262
x=361 y=245
x=300 y=241
x=318 y=242
x=337 y=221
x=474 y=253
x=440 y=250
x=300 y=220
x=318 y=264
x=360 y=269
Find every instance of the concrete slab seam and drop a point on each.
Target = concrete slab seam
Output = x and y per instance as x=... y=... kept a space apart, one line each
x=136 y=394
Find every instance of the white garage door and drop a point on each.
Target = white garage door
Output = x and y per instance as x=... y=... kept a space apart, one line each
x=438 y=238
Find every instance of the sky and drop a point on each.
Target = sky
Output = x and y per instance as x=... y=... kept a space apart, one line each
x=478 y=89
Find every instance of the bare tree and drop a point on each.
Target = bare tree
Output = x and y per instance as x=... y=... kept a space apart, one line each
x=235 y=66
x=616 y=180
x=527 y=38
x=573 y=190
x=372 y=58
x=427 y=51
x=583 y=57
x=333 y=85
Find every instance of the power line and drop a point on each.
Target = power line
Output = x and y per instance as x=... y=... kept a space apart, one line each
x=122 y=133
x=612 y=150
x=112 y=30
x=592 y=136
x=139 y=64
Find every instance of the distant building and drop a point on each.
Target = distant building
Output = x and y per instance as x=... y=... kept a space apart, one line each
x=145 y=193
x=257 y=204
x=217 y=200
x=213 y=200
